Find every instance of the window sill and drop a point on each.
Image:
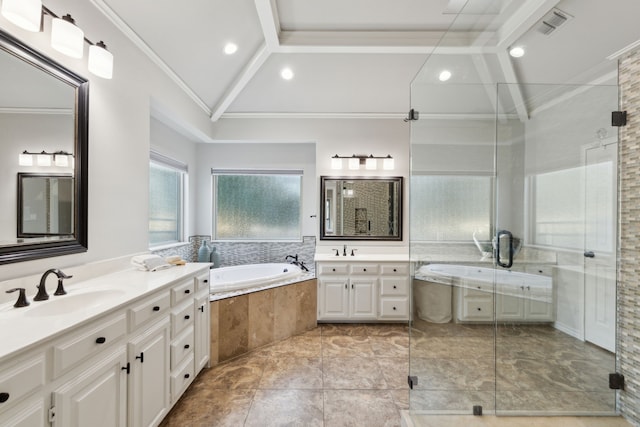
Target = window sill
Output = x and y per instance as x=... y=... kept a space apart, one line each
x=169 y=246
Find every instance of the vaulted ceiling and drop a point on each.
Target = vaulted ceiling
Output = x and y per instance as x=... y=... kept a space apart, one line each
x=360 y=57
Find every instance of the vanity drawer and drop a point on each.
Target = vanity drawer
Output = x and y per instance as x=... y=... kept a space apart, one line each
x=181 y=347
x=181 y=292
x=541 y=270
x=395 y=269
x=181 y=317
x=364 y=268
x=22 y=378
x=151 y=309
x=87 y=342
x=394 y=308
x=181 y=379
x=478 y=310
x=394 y=286
x=202 y=282
x=342 y=268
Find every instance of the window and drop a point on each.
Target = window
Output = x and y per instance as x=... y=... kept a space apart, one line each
x=257 y=205
x=167 y=182
x=450 y=208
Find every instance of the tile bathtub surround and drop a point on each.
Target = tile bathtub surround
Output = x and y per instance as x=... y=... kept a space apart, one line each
x=312 y=379
x=628 y=340
x=247 y=322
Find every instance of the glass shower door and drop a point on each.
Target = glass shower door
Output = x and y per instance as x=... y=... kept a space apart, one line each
x=555 y=264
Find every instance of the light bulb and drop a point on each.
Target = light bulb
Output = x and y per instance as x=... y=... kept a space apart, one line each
x=25 y=159
x=354 y=163
x=517 y=52
x=100 y=61
x=230 y=48
x=388 y=163
x=26 y=14
x=444 y=75
x=66 y=37
x=44 y=160
x=287 y=73
x=371 y=163
x=61 y=160
x=336 y=163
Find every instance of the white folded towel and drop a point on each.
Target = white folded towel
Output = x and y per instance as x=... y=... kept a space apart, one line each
x=149 y=262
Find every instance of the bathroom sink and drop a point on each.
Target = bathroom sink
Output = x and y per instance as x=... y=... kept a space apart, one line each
x=65 y=304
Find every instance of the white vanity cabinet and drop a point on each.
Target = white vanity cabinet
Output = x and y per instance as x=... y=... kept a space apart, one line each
x=125 y=367
x=363 y=291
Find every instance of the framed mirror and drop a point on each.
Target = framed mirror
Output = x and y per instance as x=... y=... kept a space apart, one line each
x=45 y=205
x=43 y=112
x=361 y=208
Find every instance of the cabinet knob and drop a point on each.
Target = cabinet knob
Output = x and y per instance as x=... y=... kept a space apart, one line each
x=479 y=309
x=394 y=308
x=187 y=317
x=187 y=291
x=395 y=270
x=206 y=281
x=395 y=287
x=4 y=397
x=156 y=308
x=186 y=346
x=201 y=308
x=101 y=340
x=186 y=376
x=333 y=269
x=364 y=269
x=141 y=357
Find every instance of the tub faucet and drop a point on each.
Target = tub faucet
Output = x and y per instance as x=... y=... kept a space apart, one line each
x=296 y=262
x=42 y=291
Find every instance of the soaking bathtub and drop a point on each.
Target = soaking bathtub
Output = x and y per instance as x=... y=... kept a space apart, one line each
x=507 y=282
x=251 y=275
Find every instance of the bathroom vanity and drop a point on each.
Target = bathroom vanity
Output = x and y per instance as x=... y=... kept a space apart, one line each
x=361 y=288
x=121 y=348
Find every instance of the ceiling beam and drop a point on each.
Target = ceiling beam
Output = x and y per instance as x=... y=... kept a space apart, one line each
x=521 y=21
x=514 y=87
x=270 y=22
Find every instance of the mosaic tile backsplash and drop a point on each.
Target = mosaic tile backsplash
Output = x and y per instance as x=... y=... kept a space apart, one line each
x=629 y=267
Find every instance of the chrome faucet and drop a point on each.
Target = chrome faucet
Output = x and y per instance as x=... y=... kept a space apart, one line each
x=42 y=291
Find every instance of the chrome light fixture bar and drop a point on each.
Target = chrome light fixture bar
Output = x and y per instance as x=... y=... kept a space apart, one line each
x=44 y=158
x=66 y=37
x=369 y=162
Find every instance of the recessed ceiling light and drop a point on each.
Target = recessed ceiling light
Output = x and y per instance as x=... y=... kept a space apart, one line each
x=230 y=48
x=517 y=51
x=444 y=75
x=286 y=73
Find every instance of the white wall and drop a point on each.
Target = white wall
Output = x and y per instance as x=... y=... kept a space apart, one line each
x=119 y=135
x=332 y=136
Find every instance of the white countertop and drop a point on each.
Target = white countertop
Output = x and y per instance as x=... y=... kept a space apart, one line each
x=402 y=257
x=24 y=328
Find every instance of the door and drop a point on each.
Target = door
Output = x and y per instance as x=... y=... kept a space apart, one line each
x=334 y=298
x=363 y=298
x=600 y=245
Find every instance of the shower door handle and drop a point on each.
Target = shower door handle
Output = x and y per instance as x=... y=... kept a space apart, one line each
x=509 y=263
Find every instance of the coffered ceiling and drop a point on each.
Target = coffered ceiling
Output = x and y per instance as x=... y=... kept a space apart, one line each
x=360 y=57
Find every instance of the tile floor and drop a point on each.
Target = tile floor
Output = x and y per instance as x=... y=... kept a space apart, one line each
x=334 y=375
x=355 y=375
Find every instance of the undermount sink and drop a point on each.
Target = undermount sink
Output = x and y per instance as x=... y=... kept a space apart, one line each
x=64 y=304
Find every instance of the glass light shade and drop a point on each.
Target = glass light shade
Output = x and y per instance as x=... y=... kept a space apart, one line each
x=388 y=164
x=100 y=61
x=354 y=163
x=61 y=160
x=336 y=163
x=25 y=159
x=26 y=14
x=230 y=48
x=517 y=52
x=371 y=164
x=66 y=37
x=44 y=160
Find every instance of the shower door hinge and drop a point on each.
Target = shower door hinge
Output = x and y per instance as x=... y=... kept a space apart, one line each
x=412 y=381
x=618 y=118
x=477 y=410
x=616 y=381
x=413 y=115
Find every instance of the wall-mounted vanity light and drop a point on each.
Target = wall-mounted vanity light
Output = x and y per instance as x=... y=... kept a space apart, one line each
x=66 y=37
x=58 y=158
x=369 y=162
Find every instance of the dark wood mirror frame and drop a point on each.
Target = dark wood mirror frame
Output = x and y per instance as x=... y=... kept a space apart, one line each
x=26 y=251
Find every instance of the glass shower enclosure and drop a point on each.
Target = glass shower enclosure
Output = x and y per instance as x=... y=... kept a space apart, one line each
x=513 y=198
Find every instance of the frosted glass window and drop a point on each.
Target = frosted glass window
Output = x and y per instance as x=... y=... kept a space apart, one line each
x=166 y=186
x=450 y=208
x=558 y=206
x=258 y=207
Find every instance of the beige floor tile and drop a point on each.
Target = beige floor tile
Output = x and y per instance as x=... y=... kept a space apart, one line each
x=346 y=346
x=371 y=408
x=277 y=408
x=350 y=373
x=350 y=329
x=493 y=421
x=292 y=373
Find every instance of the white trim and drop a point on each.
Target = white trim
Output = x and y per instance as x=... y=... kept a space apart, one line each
x=314 y=115
x=630 y=47
x=30 y=110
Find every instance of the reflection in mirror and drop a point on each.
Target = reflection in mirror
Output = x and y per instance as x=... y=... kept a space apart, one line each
x=43 y=108
x=45 y=205
x=361 y=208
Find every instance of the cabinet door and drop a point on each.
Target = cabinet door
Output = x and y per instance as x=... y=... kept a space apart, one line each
x=202 y=333
x=149 y=378
x=509 y=307
x=363 y=298
x=538 y=310
x=96 y=396
x=29 y=414
x=334 y=298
